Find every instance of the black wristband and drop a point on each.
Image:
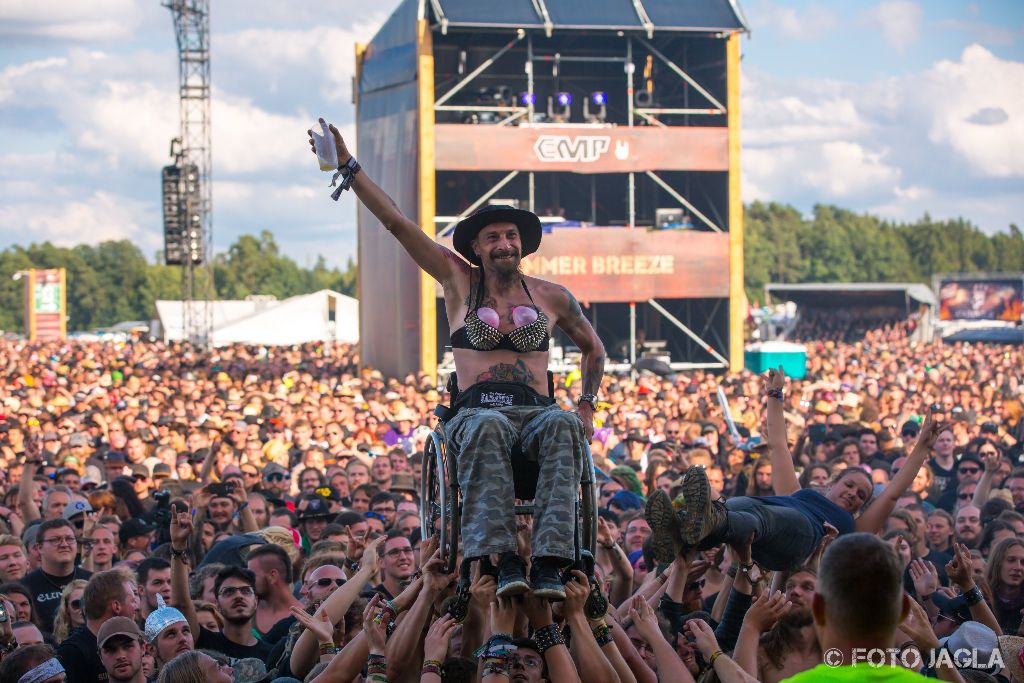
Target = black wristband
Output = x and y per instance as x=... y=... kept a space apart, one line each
x=974 y=596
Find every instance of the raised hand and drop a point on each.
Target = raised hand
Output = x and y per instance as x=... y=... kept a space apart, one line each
x=604 y=533
x=644 y=618
x=339 y=143
x=917 y=626
x=930 y=431
x=961 y=569
x=766 y=610
x=439 y=637
x=482 y=592
x=371 y=560
x=538 y=610
x=991 y=461
x=925 y=577
x=703 y=636
x=181 y=528
x=434 y=578
x=774 y=379
x=503 y=615
x=576 y=593
x=320 y=626
x=376 y=633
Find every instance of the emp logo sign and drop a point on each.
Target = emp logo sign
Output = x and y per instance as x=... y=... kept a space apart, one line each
x=563 y=148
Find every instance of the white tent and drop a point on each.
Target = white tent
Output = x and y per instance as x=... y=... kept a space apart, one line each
x=321 y=316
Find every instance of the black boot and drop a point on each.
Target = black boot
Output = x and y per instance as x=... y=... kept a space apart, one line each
x=546 y=577
x=511 y=576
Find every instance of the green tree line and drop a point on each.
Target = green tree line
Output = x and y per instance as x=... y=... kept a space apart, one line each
x=837 y=245
x=113 y=281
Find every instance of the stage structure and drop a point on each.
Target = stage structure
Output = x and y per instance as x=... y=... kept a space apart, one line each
x=615 y=121
x=186 y=185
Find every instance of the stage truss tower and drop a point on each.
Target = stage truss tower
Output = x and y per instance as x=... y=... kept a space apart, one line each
x=193 y=156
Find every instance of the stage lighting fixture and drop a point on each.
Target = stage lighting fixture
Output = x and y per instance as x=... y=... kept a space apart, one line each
x=560 y=107
x=600 y=112
x=527 y=98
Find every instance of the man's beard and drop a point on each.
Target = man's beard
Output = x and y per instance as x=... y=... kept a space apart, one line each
x=238 y=620
x=506 y=270
x=797 y=617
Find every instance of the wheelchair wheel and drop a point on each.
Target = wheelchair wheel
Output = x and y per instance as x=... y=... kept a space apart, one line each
x=439 y=496
x=587 y=522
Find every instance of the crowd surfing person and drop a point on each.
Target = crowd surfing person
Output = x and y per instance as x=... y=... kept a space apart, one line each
x=501 y=322
x=252 y=514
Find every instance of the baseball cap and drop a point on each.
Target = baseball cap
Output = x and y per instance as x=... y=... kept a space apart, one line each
x=118 y=626
x=115 y=456
x=910 y=428
x=77 y=507
x=132 y=528
x=316 y=506
x=140 y=470
x=78 y=440
x=161 y=470
x=274 y=468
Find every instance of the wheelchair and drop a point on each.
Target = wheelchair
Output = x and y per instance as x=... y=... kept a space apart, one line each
x=441 y=509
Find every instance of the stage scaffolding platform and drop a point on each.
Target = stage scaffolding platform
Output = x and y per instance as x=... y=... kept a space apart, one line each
x=616 y=121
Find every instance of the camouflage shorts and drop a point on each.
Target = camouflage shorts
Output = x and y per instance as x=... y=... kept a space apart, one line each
x=483 y=439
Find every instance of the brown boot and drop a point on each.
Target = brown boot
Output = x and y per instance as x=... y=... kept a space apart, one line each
x=702 y=517
x=665 y=540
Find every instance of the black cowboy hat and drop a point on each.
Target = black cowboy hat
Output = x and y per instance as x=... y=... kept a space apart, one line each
x=469 y=227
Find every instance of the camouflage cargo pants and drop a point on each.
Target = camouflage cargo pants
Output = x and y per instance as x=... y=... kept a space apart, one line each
x=483 y=439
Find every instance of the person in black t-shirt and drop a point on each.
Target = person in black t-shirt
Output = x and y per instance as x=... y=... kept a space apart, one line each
x=57 y=550
x=108 y=594
x=235 y=592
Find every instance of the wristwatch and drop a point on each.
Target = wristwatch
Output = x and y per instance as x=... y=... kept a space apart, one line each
x=588 y=398
x=752 y=571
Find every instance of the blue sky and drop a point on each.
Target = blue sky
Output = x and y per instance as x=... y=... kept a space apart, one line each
x=895 y=107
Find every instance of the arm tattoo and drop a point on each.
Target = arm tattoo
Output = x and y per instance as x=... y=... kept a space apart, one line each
x=592 y=371
x=593 y=363
x=575 y=312
x=507 y=372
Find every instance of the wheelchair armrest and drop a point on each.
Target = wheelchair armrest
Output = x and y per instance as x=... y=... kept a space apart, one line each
x=444 y=413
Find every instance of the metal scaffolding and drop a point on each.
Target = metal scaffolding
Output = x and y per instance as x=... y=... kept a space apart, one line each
x=192 y=31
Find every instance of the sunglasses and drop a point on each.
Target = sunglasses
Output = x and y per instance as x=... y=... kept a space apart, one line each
x=696 y=585
x=324 y=583
x=375 y=515
x=75 y=604
x=275 y=477
x=964 y=496
x=969 y=470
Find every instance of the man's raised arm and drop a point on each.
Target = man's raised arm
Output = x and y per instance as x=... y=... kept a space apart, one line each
x=442 y=264
x=572 y=321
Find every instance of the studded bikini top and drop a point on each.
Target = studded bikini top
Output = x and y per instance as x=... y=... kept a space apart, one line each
x=478 y=334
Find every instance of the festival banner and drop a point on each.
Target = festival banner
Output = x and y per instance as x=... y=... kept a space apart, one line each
x=623 y=265
x=580 y=149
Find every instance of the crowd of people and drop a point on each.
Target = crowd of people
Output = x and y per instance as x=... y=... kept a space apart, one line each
x=254 y=514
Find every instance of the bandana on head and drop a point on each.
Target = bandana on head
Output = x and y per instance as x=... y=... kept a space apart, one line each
x=48 y=669
x=162 y=617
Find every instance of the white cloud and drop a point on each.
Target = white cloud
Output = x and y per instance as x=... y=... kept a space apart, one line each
x=976 y=107
x=898 y=20
x=78 y=20
x=810 y=23
x=102 y=216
